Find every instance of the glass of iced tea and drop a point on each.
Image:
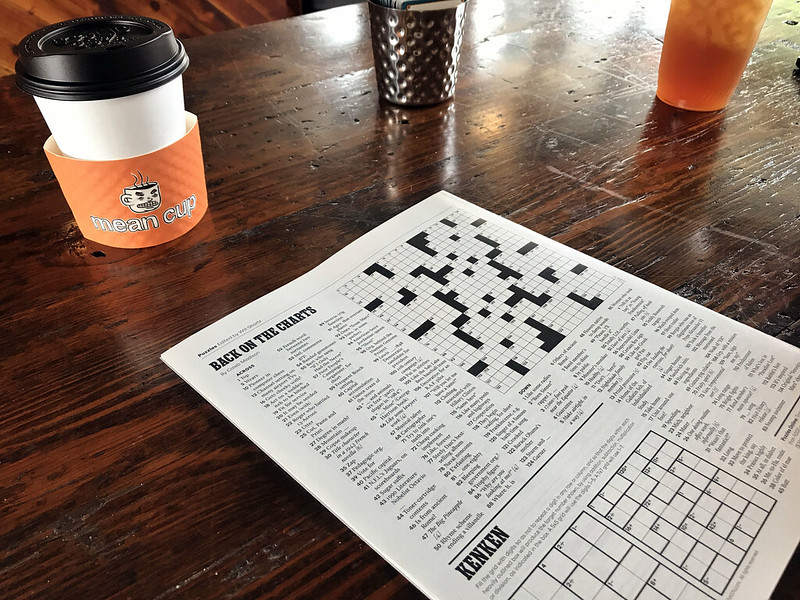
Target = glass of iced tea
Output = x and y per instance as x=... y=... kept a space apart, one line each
x=706 y=48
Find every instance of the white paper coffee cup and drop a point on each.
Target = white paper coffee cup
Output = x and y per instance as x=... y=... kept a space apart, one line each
x=117 y=127
x=108 y=87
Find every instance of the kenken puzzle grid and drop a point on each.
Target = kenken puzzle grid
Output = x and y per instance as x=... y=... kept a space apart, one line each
x=692 y=513
x=591 y=562
x=490 y=301
x=696 y=521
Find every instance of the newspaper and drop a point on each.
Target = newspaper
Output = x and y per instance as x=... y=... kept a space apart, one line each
x=500 y=416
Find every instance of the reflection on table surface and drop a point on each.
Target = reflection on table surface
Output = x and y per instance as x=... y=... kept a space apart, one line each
x=118 y=481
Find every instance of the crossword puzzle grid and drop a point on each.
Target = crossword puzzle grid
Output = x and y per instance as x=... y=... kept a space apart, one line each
x=490 y=301
x=698 y=517
x=591 y=562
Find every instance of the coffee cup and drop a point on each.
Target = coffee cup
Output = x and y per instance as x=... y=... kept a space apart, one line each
x=108 y=87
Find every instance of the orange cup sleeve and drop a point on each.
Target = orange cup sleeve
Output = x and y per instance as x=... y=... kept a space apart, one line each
x=136 y=202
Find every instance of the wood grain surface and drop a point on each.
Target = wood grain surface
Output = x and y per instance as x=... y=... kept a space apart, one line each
x=188 y=18
x=118 y=481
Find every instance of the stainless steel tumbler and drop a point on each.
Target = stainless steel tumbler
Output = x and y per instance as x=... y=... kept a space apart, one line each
x=416 y=52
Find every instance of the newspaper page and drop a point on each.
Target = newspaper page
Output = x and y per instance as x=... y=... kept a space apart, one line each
x=503 y=417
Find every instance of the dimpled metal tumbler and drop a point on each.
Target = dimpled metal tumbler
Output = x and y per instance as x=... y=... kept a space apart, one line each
x=416 y=52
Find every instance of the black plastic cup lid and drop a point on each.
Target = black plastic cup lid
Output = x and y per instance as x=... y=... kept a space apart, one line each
x=95 y=58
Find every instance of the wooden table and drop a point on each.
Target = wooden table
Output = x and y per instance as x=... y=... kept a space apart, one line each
x=118 y=481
